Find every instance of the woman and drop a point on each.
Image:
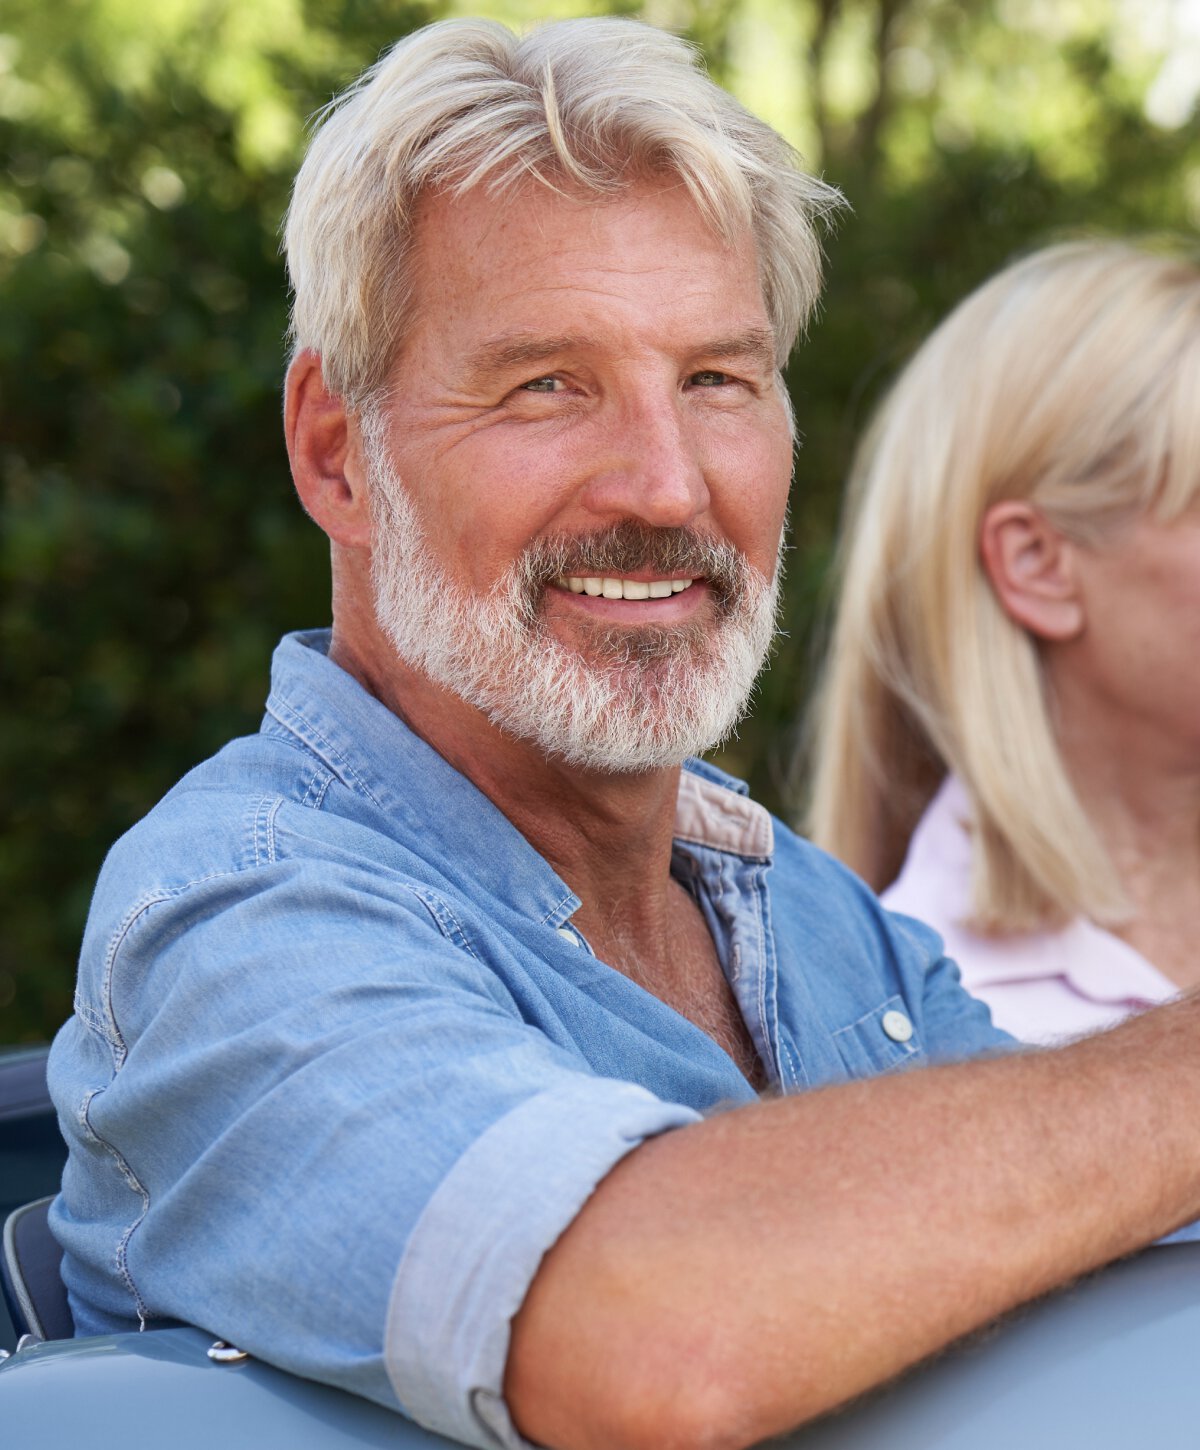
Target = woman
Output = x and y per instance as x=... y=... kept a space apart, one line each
x=1008 y=736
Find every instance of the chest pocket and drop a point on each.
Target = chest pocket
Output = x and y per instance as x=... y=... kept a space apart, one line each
x=880 y=1041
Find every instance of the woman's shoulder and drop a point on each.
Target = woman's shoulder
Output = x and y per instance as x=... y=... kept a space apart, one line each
x=934 y=883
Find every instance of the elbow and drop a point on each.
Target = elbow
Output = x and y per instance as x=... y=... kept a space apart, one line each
x=694 y=1418
x=650 y=1390
x=707 y=1391
x=704 y=1408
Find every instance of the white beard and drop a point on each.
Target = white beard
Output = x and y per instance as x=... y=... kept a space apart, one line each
x=643 y=698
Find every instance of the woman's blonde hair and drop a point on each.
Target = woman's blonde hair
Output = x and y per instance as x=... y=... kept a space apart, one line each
x=588 y=105
x=1069 y=380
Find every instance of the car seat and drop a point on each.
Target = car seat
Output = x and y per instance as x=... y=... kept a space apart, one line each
x=29 y=1273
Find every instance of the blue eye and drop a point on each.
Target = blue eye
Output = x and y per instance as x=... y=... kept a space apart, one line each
x=540 y=385
x=710 y=379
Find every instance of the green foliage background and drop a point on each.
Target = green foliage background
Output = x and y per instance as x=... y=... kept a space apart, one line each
x=151 y=550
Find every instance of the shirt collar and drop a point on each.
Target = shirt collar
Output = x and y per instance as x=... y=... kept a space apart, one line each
x=374 y=754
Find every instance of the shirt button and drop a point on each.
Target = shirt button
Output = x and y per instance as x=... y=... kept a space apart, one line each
x=897 y=1026
x=568 y=935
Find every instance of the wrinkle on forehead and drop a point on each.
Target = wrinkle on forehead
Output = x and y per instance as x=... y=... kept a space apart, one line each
x=756 y=344
x=542 y=210
x=534 y=252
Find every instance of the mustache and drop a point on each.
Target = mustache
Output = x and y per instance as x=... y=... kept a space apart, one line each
x=626 y=547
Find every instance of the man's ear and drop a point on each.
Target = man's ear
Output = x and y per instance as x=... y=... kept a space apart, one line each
x=1032 y=569
x=322 y=444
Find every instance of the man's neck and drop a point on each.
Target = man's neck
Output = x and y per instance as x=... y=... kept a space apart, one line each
x=607 y=834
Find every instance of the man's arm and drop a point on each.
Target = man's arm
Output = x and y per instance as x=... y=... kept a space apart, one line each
x=731 y=1280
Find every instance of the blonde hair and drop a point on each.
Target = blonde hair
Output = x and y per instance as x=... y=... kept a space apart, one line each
x=591 y=105
x=1069 y=380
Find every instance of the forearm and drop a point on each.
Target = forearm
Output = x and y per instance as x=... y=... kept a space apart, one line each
x=768 y=1264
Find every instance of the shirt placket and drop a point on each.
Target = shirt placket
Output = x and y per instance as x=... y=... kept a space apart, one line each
x=733 y=893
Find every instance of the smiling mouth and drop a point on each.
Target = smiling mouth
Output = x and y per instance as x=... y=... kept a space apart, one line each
x=611 y=587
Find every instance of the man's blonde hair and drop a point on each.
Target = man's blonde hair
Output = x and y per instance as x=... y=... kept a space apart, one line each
x=1069 y=380
x=584 y=105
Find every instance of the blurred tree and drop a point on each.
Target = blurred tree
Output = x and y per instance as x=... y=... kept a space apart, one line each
x=151 y=550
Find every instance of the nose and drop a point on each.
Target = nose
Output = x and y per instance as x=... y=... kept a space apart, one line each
x=652 y=465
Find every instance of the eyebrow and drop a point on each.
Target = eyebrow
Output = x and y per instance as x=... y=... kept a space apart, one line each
x=501 y=354
x=757 y=344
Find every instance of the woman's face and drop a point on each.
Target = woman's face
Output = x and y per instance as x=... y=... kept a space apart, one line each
x=1133 y=671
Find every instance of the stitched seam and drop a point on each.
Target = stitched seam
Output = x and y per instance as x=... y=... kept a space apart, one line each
x=557 y=907
x=310 y=789
x=264 y=829
x=691 y=840
x=318 y=781
x=873 y=1013
x=911 y=1048
x=111 y=1033
x=447 y=923
x=142 y=905
x=271 y=814
x=766 y=947
x=331 y=755
x=280 y=734
x=133 y=1182
x=759 y=915
x=90 y=1017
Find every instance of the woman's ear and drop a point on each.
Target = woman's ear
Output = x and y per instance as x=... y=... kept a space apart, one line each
x=1032 y=569
x=326 y=460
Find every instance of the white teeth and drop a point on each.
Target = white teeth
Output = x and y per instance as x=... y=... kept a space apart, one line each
x=612 y=588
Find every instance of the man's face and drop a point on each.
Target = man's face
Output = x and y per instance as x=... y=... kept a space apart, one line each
x=580 y=472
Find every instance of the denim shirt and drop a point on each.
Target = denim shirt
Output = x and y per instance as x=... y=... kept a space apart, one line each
x=341 y=1070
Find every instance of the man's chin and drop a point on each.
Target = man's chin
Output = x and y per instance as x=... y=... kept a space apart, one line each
x=605 y=757
x=631 y=651
x=624 y=720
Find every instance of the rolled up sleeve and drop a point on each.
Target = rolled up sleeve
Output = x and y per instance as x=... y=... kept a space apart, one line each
x=478 y=1244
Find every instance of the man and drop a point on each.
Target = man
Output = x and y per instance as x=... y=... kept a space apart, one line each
x=403 y=1027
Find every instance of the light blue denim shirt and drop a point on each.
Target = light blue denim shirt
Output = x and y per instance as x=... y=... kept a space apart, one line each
x=341 y=1071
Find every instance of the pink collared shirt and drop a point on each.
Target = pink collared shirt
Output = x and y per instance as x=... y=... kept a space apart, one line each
x=1042 y=986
